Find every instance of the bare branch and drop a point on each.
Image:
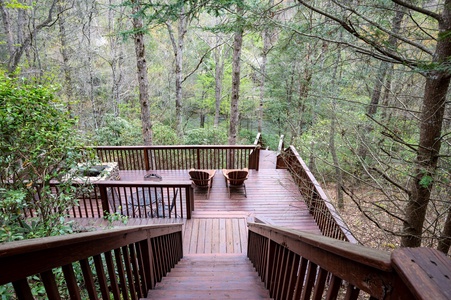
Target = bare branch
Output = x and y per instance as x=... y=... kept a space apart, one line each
x=389 y=32
x=418 y=9
x=388 y=56
x=15 y=58
x=200 y=62
x=386 y=177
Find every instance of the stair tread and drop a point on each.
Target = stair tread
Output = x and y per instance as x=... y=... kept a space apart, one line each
x=214 y=294
x=211 y=276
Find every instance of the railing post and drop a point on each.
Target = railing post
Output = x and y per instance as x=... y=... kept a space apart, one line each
x=198 y=158
x=189 y=192
x=146 y=159
x=254 y=158
x=104 y=198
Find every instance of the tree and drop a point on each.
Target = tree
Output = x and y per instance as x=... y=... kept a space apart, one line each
x=18 y=47
x=141 y=65
x=178 y=46
x=437 y=78
x=38 y=146
x=236 y=65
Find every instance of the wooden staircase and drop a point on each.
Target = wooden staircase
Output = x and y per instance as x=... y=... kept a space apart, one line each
x=211 y=276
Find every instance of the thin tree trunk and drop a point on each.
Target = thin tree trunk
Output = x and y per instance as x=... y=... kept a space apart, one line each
x=219 y=75
x=333 y=150
x=116 y=60
x=236 y=73
x=141 y=65
x=380 y=79
x=444 y=242
x=14 y=59
x=178 y=47
x=266 y=44
x=7 y=27
x=65 y=55
x=436 y=89
x=92 y=99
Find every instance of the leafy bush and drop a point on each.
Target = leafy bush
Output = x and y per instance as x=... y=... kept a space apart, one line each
x=206 y=136
x=39 y=145
x=164 y=135
x=118 y=132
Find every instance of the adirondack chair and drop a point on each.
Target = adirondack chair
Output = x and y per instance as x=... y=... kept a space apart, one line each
x=202 y=178
x=236 y=178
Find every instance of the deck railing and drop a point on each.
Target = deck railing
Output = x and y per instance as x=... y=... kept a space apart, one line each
x=329 y=221
x=299 y=265
x=113 y=264
x=181 y=157
x=135 y=199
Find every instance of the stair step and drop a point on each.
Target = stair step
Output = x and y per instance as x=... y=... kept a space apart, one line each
x=211 y=276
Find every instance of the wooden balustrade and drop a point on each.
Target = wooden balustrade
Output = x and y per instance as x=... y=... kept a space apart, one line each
x=112 y=264
x=299 y=265
x=328 y=220
x=181 y=157
x=135 y=199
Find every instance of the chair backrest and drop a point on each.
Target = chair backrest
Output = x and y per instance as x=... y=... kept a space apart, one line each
x=237 y=177
x=200 y=177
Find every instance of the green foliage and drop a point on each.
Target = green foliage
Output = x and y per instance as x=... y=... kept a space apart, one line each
x=164 y=135
x=426 y=181
x=38 y=146
x=114 y=217
x=206 y=136
x=118 y=132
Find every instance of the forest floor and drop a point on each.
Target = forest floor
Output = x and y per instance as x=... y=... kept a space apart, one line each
x=364 y=230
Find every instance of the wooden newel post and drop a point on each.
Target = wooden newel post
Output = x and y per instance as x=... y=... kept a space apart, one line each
x=189 y=191
x=104 y=198
x=146 y=159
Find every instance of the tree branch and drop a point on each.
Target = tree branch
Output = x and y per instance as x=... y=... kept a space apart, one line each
x=385 y=176
x=200 y=62
x=418 y=9
x=15 y=58
x=389 y=32
x=349 y=27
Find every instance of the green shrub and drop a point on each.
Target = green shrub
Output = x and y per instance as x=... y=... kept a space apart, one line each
x=39 y=145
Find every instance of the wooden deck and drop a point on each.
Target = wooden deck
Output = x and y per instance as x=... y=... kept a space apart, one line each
x=219 y=224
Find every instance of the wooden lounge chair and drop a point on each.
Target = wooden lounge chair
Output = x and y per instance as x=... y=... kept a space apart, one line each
x=202 y=178
x=235 y=178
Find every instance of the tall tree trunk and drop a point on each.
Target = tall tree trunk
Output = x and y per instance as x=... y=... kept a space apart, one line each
x=141 y=65
x=178 y=47
x=266 y=36
x=333 y=149
x=444 y=241
x=116 y=59
x=436 y=88
x=65 y=55
x=236 y=73
x=16 y=55
x=7 y=27
x=92 y=98
x=219 y=75
x=380 y=79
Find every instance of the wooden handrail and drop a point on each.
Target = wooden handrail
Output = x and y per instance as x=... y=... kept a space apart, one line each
x=258 y=140
x=294 y=263
x=179 y=157
x=126 y=261
x=130 y=198
x=324 y=213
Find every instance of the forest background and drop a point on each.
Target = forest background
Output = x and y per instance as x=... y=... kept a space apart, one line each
x=360 y=89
